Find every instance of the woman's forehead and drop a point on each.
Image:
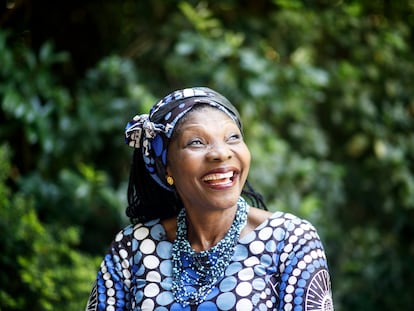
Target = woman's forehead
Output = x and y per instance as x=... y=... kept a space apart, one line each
x=203 y=115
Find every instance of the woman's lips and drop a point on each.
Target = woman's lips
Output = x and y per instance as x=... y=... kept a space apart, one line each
x=216 y=178
x=219 y=178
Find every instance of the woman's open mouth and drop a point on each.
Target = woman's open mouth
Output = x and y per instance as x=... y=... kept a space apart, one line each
x=219 y=179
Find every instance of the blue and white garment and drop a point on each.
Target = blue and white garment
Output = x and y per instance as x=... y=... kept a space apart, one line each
x=281 y=265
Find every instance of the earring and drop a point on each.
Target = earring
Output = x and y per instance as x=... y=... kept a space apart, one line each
x=170 y=180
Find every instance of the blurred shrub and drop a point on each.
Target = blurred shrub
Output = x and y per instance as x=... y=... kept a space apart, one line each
x=40 y=268
x=325 y=94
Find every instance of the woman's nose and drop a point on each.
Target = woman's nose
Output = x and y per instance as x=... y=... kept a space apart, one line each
x=219 y=152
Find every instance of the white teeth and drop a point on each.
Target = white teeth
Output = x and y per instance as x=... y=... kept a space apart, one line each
x=218 y=176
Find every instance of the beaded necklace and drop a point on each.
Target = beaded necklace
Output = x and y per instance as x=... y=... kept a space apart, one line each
x=196 y=273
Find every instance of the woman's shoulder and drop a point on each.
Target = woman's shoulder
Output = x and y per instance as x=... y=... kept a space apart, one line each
x=259 y=219
x=152 y=229
x=278 y=227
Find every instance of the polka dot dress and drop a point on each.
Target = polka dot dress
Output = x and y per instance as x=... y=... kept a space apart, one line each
x=280 y=265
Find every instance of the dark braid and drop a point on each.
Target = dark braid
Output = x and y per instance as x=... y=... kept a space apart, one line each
x=146 y=199
x=255 y=198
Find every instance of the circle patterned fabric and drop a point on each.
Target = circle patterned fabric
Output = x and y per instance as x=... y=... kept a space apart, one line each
x=281 y=265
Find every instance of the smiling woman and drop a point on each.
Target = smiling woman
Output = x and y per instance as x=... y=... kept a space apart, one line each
x=209 y=162
x=200 y=236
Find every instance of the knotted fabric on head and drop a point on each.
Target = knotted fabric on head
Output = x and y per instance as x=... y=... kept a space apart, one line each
x=152 y=132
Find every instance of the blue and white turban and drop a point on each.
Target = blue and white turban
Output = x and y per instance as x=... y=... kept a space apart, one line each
x=152 y=132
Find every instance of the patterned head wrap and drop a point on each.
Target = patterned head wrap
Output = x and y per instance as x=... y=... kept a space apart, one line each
x=152 y=132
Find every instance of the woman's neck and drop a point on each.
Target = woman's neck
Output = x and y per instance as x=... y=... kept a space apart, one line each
x=254 y=219
x=207 y=229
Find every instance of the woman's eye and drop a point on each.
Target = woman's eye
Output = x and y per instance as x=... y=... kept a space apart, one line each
x=234 y=137
x=194 y=142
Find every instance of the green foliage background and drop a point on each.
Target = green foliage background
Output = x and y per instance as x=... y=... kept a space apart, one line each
x=324 y=89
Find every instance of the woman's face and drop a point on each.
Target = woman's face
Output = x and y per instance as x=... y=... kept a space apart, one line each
x=208 y=160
